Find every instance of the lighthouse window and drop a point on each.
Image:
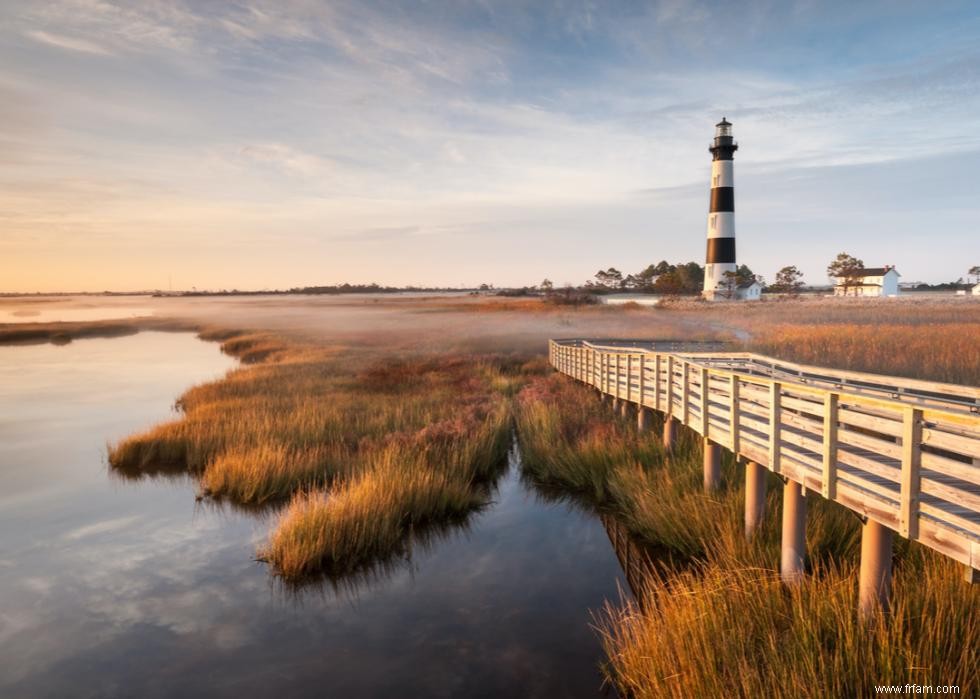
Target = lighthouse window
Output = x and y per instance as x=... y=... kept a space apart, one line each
x=714 y=222
x=715 y=182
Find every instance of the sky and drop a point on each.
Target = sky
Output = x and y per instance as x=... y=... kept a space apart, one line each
x=271 y=144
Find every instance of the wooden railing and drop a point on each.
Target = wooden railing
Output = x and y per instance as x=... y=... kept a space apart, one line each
x=901 y=452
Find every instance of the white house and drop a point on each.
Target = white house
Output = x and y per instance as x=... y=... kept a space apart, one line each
x=976 y=289
x=873 y=281
x=751 y=291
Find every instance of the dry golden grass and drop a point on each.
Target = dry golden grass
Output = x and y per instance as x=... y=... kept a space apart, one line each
x=730 y=631
x=371 y=515
x=948 y=352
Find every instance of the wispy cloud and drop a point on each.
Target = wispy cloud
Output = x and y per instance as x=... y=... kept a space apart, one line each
x=66 y=42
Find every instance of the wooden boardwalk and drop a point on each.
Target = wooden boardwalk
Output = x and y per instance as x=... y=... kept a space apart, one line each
x=901 y=453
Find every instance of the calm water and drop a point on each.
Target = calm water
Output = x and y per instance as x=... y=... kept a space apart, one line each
x=115 y=588
x=18 y=311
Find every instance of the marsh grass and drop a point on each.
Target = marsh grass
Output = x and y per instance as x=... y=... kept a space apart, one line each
x=737 y=631
x=713 y=618
x=948 y=352
x=373 y=514
x=363 y=447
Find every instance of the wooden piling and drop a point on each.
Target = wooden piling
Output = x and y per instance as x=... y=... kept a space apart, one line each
x=793 y=544
x=643 y=417
x=712 y=466
x=755 y=497
x=670 y=433
x=874 y=589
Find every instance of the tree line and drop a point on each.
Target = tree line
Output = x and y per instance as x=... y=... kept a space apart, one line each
x=687 y=278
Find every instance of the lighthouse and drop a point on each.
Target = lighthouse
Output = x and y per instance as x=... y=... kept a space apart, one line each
x=720 y=256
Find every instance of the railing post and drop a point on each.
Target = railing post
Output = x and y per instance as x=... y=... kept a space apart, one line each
x=704 y=403
x=602 y=375
x=734 y=415
x=874 y=588
x=829 y=480
x=642 y=380
x=911 y=464
x=685 y=392
x=656 y=381
x=618 y=374
x=775 y=417
x=793 y=543
x=755 y=497
x=629 y=377
x=670 y=423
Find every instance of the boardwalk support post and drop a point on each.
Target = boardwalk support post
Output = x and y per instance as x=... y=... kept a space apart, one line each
x=670 y=433
x=755 y=497
x=642 y=419
x=874 y=589
x=712 y=466
x=624 y=408
x=793 y=546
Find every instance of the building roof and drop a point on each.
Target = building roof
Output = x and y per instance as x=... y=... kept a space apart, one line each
x=747 y=285
x=874 y=272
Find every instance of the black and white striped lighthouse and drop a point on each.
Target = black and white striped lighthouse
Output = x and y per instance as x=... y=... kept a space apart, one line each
x=721 y=216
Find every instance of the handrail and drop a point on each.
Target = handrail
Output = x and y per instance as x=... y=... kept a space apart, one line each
x=953 y=395
x=902 y=452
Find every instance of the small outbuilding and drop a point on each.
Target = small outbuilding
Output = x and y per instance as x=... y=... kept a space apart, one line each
x=751 y=291
x=976 y=290
x=872 y=281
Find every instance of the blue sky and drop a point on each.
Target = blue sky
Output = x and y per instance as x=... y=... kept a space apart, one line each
x=268 y=144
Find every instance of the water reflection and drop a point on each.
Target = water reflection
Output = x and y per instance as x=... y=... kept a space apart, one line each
x=111 y=587
x=52 y=311
x=635 y=559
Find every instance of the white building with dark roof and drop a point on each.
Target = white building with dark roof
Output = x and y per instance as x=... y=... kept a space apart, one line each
x=752 y=291
x=872 y=281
